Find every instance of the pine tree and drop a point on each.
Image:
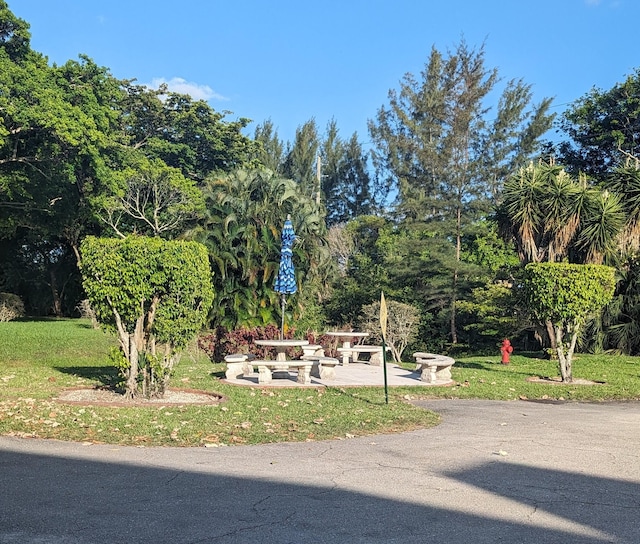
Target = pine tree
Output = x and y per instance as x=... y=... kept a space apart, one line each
x=445 y=152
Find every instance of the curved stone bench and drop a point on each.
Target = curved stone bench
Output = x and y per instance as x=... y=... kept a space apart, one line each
x=434 y=368
x=237 y=365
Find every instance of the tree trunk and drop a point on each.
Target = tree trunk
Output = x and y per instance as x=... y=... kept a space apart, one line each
x=566 y=358
x=562 y=359
x=552 y=335
x=131 y=386
x=57 y=302
x=572 y=347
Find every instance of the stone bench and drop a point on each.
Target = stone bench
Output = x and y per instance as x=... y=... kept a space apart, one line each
x=351 y=353
x=265 y=369
x=313 y=349
x=322 y=367
x=238 y=365
x=434 y=368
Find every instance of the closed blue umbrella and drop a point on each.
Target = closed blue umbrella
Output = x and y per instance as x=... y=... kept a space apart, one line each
x=285 y=282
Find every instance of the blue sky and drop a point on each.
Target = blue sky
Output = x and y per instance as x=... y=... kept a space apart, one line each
x=293 y=60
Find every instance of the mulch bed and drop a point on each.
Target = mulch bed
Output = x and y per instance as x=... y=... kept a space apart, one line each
x=100 y=396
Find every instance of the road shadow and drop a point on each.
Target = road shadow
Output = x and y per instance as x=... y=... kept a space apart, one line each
x=597 y=502
x=55 y=499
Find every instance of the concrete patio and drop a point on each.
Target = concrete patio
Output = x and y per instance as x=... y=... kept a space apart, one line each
x=353 y=374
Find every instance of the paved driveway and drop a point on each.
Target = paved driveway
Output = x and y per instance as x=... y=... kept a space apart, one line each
x=510 y=472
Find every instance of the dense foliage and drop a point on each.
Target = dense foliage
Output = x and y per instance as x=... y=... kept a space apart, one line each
x=476 y=196
x=83 y=153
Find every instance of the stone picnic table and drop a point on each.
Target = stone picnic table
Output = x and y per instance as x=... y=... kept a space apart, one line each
x=281 y=365
x=346 y=343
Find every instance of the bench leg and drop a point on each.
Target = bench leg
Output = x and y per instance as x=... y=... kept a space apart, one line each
x=376 y=359
x=428 y=373
x=348 y=355
x=304 y=374
x=327 y=372
x=444 y=373
x=264 y=375
x=234 y=370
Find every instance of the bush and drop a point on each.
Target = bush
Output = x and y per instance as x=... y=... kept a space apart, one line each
x=155 y=294
x=11 y=307
x=402 y=325
x=222 y=341
x=566 y=296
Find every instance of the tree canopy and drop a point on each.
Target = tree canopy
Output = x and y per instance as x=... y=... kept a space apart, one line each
x=603 y=128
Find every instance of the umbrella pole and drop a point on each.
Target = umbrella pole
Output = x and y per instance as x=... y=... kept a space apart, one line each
x=283 y=303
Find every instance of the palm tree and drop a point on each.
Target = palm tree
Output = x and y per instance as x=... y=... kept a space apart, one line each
x=245 y=213
x=552 y=217
x=619 y=326
x=625 y=182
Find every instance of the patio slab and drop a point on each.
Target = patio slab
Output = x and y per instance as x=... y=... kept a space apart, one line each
x=351 y=375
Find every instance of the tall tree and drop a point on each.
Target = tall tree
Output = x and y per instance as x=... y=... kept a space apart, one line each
x=433 y=139
x=346 y=182
x=302 y=159
x=332 y=158
x=55 y=135
x=603 y=129
x=185 y=133
x=14 y=34
x=271 y=149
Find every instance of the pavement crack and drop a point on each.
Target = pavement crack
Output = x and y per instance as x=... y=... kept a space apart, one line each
x=174 y=477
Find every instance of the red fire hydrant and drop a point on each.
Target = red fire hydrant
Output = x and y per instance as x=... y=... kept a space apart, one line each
x=505 y=349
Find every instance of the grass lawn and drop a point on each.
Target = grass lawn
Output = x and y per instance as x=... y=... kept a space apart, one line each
x=38 y=359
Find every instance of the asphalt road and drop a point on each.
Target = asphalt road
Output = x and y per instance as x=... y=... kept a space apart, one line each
x=513 y=472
